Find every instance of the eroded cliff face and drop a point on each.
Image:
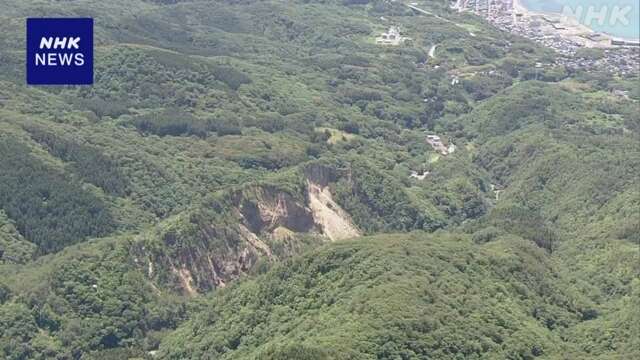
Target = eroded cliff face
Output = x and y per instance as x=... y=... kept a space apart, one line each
x=272 y=209
x=199 y=257
x=259 y=223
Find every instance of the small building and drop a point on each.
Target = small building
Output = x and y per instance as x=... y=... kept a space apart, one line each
x=437 y=145
x=391 y=37
x=415 y=175
x=620 y=93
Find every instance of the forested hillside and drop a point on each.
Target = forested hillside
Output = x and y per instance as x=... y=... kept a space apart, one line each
x=251 y=180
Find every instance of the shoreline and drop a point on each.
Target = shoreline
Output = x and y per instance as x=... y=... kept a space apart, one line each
x=566 y=27
x=563 y=34
x=574 y=25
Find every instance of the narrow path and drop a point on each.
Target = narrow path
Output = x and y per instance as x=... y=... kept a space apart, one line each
x=425 y=12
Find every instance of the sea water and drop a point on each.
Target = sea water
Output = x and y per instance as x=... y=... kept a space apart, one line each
x=619 y=18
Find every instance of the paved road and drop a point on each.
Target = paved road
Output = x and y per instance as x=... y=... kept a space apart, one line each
x=425 y=12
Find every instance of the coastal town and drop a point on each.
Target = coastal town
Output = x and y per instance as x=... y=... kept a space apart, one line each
x=563 y=34
x=559 y=32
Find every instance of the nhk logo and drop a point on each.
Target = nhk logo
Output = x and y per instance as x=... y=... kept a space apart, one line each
x=59 y=51
x=62 y=59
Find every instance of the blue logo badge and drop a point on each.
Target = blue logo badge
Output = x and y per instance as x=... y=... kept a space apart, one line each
x=59 y=51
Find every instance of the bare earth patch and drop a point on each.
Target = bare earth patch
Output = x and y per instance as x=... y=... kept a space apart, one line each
x=328 y=215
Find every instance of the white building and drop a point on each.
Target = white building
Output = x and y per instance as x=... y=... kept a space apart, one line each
x=437 y=145
x=391 y=37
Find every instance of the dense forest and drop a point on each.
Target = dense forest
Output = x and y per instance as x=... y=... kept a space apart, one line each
x=250 y=180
